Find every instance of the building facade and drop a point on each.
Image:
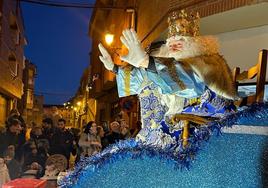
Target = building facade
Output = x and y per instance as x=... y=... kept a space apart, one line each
x=26 y=104
x=37 y=111
x=82 y=105
x=240 y=26
x=12 y=58
x=104 y=89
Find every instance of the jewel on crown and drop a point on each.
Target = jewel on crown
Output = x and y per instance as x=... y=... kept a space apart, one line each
x=183 y=24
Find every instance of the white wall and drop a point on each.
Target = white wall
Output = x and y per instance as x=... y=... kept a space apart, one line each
x=240 y=48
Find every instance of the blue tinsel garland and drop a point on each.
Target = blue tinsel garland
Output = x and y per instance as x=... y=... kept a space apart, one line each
x=181 y=158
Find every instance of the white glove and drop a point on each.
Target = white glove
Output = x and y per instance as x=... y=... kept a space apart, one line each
x=106 y=59
x=136 y=55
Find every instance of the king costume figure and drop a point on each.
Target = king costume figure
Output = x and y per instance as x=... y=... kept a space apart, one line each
x=187 y=68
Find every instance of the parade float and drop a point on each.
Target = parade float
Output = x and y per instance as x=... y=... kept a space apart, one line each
x=189 y=106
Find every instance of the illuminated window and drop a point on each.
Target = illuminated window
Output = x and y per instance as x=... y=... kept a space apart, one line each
x=31 y=77
x=29 y=99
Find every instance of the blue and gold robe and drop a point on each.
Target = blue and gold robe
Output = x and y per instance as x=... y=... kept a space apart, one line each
x=158 y=82
x=131 y=80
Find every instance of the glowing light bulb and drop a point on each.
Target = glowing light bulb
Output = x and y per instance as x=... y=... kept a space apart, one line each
x=109 y=38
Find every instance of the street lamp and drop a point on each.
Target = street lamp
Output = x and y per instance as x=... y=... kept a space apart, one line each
x=109 y=38
x=79 y=103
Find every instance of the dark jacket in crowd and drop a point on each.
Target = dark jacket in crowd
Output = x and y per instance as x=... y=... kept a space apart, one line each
x=6 y=139
x=21 y=136
x=62 y=143
x=114 y=137
x=48 y=133
x=14 y=169
x=39 y=158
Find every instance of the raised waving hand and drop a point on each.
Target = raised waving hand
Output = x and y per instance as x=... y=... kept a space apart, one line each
x=105 y=58
x=136 y=55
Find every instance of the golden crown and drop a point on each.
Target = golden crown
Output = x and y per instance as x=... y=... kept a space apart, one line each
x=183 y=24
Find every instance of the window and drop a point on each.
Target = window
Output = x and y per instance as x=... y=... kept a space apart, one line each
x=31 y=77
x=15 y=33
x=29 y=99
x=13 y=65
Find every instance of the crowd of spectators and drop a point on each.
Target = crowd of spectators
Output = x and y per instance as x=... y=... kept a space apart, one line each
x=25 y=149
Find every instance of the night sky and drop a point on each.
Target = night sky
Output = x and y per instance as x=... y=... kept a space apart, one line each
x=59 y=45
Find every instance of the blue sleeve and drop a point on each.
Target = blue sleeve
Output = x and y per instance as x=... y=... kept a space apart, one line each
x=159 y=73
x=129 y=81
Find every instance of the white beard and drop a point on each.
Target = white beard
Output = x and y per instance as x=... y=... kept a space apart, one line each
x=201 y=54
x=192 y=47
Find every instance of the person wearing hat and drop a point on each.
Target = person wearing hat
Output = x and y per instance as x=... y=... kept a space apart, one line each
x=185 y=67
